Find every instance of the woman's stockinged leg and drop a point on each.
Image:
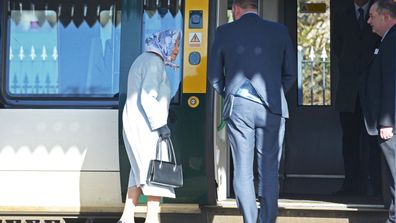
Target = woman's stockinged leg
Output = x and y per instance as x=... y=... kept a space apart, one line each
x=132 y=199
x=153 y=209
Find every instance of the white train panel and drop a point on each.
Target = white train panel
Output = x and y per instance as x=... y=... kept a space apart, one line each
x=38 y=139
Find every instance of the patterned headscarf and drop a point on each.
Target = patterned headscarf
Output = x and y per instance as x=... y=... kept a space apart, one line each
x=163 y=43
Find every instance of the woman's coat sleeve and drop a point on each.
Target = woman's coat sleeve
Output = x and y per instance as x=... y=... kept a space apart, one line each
x=154 y=104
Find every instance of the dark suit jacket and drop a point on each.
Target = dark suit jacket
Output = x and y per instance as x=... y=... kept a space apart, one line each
x=256 y=50
x=379 y=97
x=353 y=49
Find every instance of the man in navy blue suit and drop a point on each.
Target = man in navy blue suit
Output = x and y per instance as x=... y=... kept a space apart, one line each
x=379 y=103
x=252 y=65
x=353 y=44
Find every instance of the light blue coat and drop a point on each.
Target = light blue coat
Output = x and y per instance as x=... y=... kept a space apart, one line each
x=146 y=109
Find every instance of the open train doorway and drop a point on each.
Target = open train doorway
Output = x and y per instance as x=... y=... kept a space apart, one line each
x=328 y=154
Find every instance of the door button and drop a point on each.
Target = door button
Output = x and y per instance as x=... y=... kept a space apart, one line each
x=195 y=19
x=194 y=58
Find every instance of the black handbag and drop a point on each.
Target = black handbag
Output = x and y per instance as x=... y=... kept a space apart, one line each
x=165 y=173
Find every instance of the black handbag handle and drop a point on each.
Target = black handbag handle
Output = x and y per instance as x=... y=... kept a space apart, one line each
x=171 y=151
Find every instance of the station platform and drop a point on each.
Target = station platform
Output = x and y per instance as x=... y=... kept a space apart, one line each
x=292 y=209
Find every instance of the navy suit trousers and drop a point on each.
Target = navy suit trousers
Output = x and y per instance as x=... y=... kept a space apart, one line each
x=388 y=148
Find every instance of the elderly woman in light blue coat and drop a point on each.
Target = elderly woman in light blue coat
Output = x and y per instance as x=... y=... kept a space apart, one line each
x=145 y=119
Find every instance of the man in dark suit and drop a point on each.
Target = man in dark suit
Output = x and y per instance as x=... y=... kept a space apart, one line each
x=252 y=64
x=379 y=103
x=353 y=44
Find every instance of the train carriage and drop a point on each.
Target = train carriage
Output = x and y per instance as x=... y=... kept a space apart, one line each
x=64 y=66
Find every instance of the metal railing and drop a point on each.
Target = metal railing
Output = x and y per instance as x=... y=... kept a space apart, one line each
x=313 y=78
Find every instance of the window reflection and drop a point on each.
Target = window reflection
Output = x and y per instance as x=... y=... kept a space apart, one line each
x=162 y=15
x=64 y=49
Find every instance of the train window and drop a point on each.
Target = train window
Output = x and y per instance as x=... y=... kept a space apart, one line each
x=313 y=25
x=162 y=15
x=63 y=49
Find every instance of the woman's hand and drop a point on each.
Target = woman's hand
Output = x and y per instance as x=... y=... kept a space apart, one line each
x=164 y=132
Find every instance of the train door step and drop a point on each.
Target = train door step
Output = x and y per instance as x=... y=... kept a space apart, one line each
x=171 y=209
x=319 y=210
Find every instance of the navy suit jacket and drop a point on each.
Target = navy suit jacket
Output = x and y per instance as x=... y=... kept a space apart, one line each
x=379 y=98
x=354 y=49
x=256 y=50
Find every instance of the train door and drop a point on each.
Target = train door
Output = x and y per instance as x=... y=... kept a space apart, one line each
x=313 y=137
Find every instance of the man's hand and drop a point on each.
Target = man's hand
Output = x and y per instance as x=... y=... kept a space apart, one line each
x=386 y=133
